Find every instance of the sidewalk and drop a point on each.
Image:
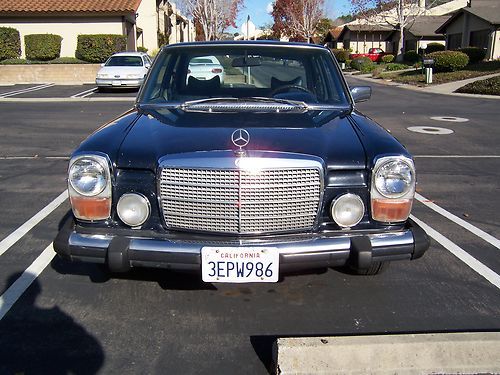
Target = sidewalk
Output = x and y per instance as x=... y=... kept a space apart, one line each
x=444 y=89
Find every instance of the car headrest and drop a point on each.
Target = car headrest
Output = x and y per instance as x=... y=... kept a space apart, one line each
x=203 y=86
x=275 y=82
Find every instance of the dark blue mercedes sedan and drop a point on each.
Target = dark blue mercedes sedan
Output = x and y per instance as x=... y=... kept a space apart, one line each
x=251 y=166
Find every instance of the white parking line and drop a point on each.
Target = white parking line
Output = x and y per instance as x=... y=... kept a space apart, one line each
x=26 y=90
x=16 y=290
x=85 y=93
x=15 y=236
x=464 y=224
x=458 y=156
x=461 y=254
x=33 y=157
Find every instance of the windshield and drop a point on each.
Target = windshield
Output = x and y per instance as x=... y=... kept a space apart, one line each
x=124 y=61
x=242 y=72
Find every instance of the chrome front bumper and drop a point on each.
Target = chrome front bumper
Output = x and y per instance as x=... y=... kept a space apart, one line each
x=125 y=249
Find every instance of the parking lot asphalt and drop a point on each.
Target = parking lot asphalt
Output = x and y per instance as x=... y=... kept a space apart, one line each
x=51 y=90
x=77 y=318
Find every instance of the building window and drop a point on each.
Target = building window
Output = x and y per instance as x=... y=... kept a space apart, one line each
x=454 y=41
x=479 y=38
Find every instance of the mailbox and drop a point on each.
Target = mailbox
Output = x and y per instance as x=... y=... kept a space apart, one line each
x=428 y=63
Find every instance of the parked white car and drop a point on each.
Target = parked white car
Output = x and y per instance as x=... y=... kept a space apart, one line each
x=123 y=69
x=205 y=68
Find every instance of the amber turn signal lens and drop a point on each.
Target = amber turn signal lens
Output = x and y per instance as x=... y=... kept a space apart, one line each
x=89 y=208
x=391 y=210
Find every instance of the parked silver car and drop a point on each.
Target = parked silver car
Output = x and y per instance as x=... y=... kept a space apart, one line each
x=124 y=69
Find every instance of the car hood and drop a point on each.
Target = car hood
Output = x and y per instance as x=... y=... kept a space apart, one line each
x=122 y=70
x=155 y=134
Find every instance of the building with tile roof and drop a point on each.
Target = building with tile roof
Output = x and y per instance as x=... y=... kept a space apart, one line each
x=145 y=23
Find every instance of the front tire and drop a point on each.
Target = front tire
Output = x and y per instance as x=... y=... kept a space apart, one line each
x=374 y=269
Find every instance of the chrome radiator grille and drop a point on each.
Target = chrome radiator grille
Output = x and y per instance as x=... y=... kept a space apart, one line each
x=240 y=201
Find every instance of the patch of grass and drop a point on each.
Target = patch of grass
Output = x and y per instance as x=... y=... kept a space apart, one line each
x=415 y=77
x=490 y=86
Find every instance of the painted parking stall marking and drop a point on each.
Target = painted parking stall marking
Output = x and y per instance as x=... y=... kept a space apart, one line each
x=16 y=290
x=461 y=254
x=26 y=90
x=85 y=93
x=15 y=236
x=464 y=224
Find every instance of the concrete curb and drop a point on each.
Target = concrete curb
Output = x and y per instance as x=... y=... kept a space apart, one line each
x=433 y=89
x=442 y=353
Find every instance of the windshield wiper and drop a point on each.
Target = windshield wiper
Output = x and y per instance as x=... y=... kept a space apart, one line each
x=247 y=104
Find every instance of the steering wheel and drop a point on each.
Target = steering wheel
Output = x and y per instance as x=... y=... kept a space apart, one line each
x=286 y=88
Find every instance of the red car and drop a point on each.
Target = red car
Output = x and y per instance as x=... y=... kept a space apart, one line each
x=374 y=54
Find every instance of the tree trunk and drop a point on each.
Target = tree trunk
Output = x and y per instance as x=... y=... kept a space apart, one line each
x=400 y=49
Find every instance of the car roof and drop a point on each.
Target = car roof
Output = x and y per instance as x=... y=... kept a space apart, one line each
x=129 y=54
x=261 y=43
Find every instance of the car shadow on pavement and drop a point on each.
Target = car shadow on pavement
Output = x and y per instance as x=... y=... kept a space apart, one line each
x=36 y=340
x=98 y=273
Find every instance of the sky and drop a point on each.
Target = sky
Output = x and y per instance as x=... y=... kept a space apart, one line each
x=259 y=11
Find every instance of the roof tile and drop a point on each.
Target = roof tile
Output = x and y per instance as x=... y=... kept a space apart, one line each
x=68 y=6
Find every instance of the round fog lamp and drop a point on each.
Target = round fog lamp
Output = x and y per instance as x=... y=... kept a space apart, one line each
x=133 y=209
x=347 y=210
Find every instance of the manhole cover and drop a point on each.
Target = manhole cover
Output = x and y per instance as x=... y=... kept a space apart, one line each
x=429 y=130
x=450 y=119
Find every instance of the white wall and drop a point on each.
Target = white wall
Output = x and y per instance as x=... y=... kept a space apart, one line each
x=147 y=20
x=67 y=28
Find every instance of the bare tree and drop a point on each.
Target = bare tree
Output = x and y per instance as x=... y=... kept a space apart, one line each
x=297 y=18
x=398 y=14
x=213 y=16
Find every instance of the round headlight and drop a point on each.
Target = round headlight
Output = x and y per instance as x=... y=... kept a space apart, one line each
x=394 y=179
x=133 y=209
x=87 y=176
x=348 y=210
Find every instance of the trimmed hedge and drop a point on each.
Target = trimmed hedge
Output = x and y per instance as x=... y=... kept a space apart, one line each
x=395 y=66
x=362 y=64
x=42 y=47
x=10 y=43
x=142 y=49
x=59 y=60
x=475 y=54
x=342 y=55
x=448 y=61
x=97 y=48
x=388 y=58
x=411 y=56
x=434 y=47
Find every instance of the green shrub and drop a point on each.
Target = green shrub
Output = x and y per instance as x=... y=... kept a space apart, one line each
x=434 y=47
x=377 y=72
x=15 y=61
x=341 y=55
x=99 y=47
x=10 y=43
x=475 y=54
x=388 y=58
x=42 y=47
x=362 y=64
x=348 y=63
x=142 y=49
x=490 y=86
x=448 y=61
x=411 y=56
x=395 y=66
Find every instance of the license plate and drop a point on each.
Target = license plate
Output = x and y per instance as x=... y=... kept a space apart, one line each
x=240 y=264
x=116 y=83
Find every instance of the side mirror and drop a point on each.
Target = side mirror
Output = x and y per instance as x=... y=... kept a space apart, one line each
x=361 y=93
x=102 y=65
x=147 y=66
